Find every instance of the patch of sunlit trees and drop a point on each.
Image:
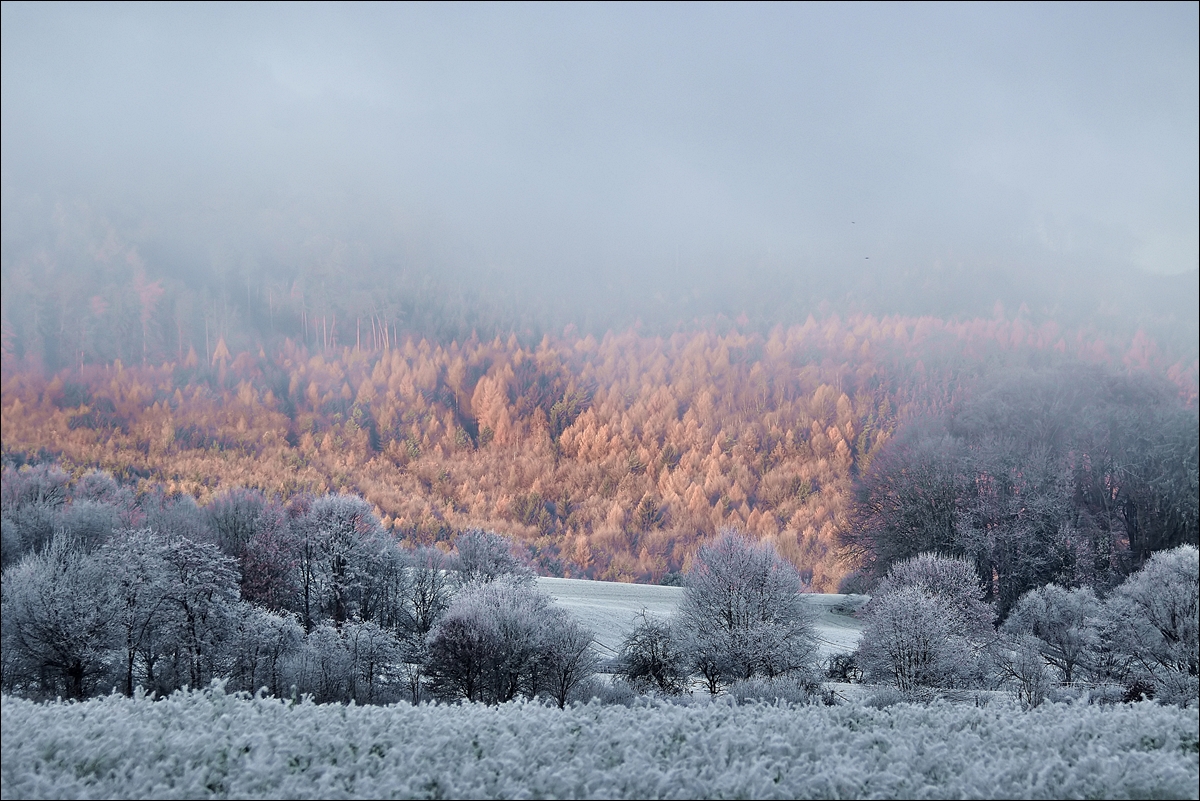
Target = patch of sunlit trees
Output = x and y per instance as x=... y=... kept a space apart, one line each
x=609 y=458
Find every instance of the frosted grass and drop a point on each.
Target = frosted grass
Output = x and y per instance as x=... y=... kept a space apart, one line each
x=212 y=745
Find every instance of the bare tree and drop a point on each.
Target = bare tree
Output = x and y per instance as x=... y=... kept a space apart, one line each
x=743 y=615
x=485 y=556
x=570 y=657
x=1154 y=623
x=57 y=623
x=651 y=657
x=1063 y=624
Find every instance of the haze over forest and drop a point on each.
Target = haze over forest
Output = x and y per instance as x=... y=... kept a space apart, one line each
x=521 y=167
x=605 y=279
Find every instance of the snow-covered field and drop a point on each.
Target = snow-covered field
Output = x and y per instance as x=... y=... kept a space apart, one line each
x=211 y=745
x=612 y=609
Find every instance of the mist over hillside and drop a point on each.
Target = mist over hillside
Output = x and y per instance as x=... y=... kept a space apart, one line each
x=177 y=175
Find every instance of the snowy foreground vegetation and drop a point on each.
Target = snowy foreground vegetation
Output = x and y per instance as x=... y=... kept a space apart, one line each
x=213 y=745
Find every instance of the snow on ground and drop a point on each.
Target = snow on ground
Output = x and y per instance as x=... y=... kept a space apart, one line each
x=837 y=628
x=612 y=609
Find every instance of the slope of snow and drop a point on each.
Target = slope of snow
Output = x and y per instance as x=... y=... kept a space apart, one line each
x=612 y=610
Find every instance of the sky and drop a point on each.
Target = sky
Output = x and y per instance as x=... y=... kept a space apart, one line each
x=577 y=148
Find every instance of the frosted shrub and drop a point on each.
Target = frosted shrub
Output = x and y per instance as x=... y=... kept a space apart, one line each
x=503 y=638
x=792 y=689
x=651 y=658
x=742 y=615
x=913 y=639
x=1154 y=623
x=1064 y=625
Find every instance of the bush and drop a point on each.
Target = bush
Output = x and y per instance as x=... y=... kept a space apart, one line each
x=504 y=638
x=789 y=689
x=843 y=667
x=651 y=659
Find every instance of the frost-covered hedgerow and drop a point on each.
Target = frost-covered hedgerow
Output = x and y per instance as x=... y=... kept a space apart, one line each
x=210 y=744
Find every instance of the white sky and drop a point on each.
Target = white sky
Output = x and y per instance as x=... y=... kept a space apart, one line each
x=630 y=141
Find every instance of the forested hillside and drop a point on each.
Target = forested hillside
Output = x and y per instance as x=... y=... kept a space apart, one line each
x=609 y=458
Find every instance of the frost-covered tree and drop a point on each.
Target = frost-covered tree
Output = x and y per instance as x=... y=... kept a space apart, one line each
x=1018 y=526
x=1153 y=623
x=951 y=579
x=30 y=501
x=321 y=667
x=485 y=556
x=428 y=590
x=1019 y=660
x=338 y=539
x=133 y=566
x=743 y=615
x=412 y=589
x=569 y=658
x=651 y=657
x=910 y=498
x=913 y=639
x=497 y=639
x=57 y=623
x=199 y=592
x=174 y=514
x=101 y=487
x=259 y=644
x=270 y=563
x=1065 y=625
x=1073 y=475
x=234 y=517
x=925 y=625
x=373 y=655
x=89 y=523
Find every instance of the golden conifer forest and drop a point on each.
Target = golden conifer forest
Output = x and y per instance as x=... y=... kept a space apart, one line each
x=609 y=458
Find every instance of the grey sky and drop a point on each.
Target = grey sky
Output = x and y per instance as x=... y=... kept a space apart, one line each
x=628 y=141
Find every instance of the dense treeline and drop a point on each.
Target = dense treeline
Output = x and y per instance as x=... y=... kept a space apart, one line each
x=609 y=458
x=1070 y=476
x=928 y=627
x=103 y=589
